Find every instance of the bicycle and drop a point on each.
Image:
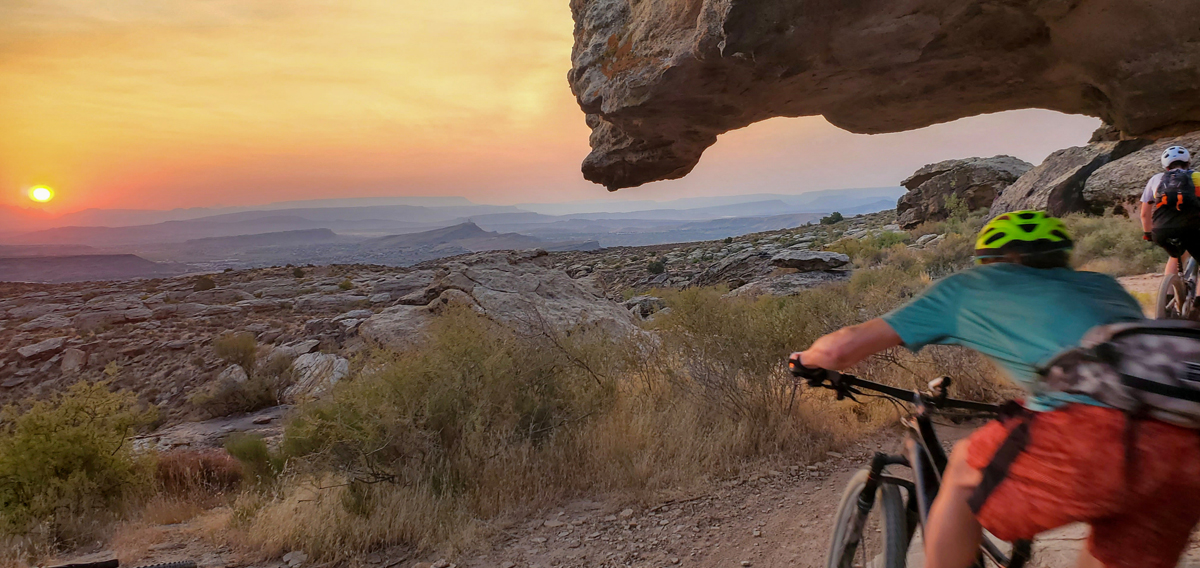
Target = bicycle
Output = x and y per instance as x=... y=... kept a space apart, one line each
x=900 y=517
x=1177 y=294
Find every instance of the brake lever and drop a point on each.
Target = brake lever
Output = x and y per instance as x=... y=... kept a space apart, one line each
x=847 y=391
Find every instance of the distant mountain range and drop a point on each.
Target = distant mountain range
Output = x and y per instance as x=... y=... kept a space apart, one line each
x=400 y=231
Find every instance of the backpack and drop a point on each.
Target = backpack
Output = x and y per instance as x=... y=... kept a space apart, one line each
x=1175 y=202
x=1148 y=369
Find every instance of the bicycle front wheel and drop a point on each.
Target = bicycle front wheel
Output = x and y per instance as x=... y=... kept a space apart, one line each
x=1172 y=298
x=882 y=540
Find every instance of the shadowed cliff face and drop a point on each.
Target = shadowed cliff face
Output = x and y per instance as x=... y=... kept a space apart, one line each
x=660 y=79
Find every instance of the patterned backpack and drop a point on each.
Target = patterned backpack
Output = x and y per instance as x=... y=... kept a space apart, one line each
x=1149 y=368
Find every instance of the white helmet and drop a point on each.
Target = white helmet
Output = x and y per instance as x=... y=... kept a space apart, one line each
x=1175 y=154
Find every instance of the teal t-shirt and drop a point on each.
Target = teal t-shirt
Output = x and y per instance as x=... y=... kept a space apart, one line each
x=1018 y=316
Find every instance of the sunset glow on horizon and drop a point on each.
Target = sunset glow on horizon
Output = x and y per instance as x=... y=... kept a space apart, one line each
x=185 y=103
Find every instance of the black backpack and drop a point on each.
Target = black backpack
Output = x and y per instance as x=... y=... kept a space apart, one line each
x=1175 y=202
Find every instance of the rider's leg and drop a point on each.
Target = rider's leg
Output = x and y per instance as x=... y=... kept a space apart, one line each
x=1172 y=266
x=952 y=534
x=1086 y=560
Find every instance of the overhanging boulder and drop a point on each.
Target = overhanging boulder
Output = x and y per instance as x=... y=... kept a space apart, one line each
x=660 y=79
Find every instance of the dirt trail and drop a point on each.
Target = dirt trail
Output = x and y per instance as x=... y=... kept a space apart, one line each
x=770 y=519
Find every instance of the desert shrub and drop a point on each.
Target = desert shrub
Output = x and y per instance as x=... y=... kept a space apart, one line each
x=345 y=284
x=832 y=218
x=258 y=462
x=69 y=457
x=238 y=349
x=484 y=421
x=298 y=272
x=727 y=240
x=224 y=398
x=1113 y=245
x=204 y=283
x=185 y=473
x=656 y=266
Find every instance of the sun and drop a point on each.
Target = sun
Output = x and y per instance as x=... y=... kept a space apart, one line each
x=41 y=194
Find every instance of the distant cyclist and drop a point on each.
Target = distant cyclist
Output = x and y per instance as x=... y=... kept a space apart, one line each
x=1170 y=210
x=1058 y=459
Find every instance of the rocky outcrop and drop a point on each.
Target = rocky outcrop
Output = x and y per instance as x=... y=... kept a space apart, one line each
x=645 y=306
x=315 y=374
x=659 y=80
x=806 y=260
x=790 y=284
x=1119 y=184
x=41 y=349
x=517 y=290
x=975 y=182
x=1057 y=184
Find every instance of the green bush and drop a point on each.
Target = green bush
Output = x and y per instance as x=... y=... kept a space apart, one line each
x=238 y=349
x=727 y=240
x=259 y=463
x=345 y=284
x=298 y=272
x=1113 y=245
x=204 y=283
x=832 y=218
x=262 y=389
x=657 y=266
x=228 y=397
x=69 y=457
x=449 y=414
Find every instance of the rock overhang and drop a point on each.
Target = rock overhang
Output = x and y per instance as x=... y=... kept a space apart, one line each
x=660 y=79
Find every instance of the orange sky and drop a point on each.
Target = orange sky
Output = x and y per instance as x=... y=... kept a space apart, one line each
x=180 y=103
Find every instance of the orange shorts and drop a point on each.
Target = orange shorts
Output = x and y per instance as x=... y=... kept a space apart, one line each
x=1072 y=469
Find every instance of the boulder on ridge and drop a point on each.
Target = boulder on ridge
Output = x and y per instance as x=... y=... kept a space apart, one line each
x=973 y=181
x=1056 y=185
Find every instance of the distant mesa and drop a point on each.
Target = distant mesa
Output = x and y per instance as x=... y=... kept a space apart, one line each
x=78 y=268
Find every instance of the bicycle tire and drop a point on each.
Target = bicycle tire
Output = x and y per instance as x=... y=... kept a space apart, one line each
x=894 y=530
x=181 y=564
x=1172 y=293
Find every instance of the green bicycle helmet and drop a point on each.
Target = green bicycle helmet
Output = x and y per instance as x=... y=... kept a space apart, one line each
x=1023 y=233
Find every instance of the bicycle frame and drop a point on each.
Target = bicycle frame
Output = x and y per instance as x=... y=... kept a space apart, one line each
x=923 y=454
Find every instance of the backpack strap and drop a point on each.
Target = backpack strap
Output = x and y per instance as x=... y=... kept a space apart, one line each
x=997 y=469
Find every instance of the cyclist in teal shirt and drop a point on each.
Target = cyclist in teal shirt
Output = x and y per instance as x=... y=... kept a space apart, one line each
x=1018 y=316
x=1021 y=308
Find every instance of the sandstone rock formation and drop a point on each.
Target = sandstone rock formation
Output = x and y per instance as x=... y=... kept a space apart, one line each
x=315 y=373
x=805 y=260
x=1057 y=184
x=659 y=80
x=517 y=290
x=975 y=182
x=1119 y=184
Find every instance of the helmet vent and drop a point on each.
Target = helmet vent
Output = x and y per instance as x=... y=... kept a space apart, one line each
x=1028 y=227
x=1027 y=216
x=993 y=238
x=1060 y=234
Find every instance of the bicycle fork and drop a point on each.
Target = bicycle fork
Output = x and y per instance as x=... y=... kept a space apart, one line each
x=866 y=499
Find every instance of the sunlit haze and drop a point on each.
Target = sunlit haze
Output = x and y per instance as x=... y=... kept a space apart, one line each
x=174 y=103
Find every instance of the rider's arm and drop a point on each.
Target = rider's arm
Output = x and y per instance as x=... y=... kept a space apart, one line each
x=849 y=345
x=1147 y=214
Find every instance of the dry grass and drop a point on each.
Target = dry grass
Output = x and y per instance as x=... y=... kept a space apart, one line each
x=437 y=447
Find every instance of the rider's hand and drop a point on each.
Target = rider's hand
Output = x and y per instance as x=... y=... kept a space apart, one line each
x=814 y=375
x=1148 y=236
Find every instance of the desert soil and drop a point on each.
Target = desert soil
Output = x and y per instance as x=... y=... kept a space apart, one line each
x=774 y=518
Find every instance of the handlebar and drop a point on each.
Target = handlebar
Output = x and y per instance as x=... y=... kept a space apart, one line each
x=847 y=386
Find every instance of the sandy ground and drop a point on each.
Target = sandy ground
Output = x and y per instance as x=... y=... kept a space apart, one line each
x=770 y=519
